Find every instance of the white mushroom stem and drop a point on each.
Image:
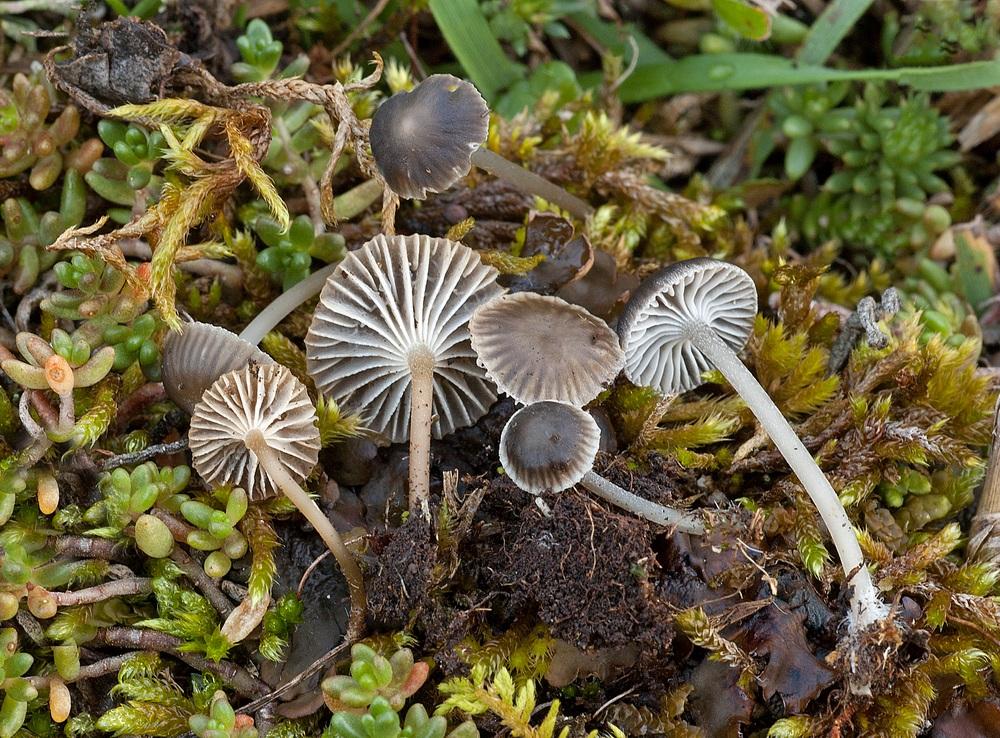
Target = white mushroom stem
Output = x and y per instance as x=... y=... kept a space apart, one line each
x=867 y=606
x=684 y=522
x=422 y=363
x=530 y=182
x=284 y=304
x=284 y=481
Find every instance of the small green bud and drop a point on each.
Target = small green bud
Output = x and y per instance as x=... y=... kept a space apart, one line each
x=67 y=660
x=217 y=564
x=235 y=546
x=153 y=537
x=12 y=715
x=203 y=541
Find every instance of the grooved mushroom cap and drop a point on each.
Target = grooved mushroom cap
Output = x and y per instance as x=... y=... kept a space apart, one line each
x=655 y=326
x=549 y=446
x=543 y=348
x=195 y=359
x=391 y=297
x=423 y=140
x=266 y=397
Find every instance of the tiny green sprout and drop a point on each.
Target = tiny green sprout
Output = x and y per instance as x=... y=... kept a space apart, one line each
x=127 y=495
x=222 y=721
x=289 y=254
x=374 y=676
x=153 y=537
x=260 y=52
x=279 y=624
x=18 y=691
x=127 y=178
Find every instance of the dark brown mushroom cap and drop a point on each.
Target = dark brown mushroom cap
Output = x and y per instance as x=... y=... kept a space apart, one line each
x=542 y=348
x=195 y=359
x=264 y=397
x=390 y=297
x=549 y=446
x=655 y=324
x=423 y=140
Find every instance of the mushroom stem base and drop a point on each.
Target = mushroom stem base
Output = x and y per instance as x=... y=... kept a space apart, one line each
x=867 y=606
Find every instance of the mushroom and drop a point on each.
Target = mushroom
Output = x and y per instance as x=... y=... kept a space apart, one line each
x=549 y=446
x=390 y=340
x=255 y=428
x=542 y=348
x=696 y=314
x=426 y=140
x=195 y=359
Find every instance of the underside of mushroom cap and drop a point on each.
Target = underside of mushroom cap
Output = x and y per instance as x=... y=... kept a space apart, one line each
x=655 y=325
x=393 y=296
x=542 y=348
x=549 y=446
x=263 y=397
x=423 y=140
x=195 y=359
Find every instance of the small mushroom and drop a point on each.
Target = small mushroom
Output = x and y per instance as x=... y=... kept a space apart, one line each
x=195 y=359
x=696 y=314
x=256 y=428
x=426 y=140
x=550 y=446
x=542 y=348
x=390 y=340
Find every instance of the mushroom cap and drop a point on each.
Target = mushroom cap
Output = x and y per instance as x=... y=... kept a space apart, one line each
x=267 y=397
x=654 y=325
x=423 y=140
x=390 y=297
x=543 y=348
x=549 y=446
x=195 y=359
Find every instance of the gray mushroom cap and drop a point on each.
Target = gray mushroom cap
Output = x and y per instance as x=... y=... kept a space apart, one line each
x=423 y=140
x=264 y=397
x=656 y=323
x=549 y=446
x=543 y=348
x=391 y=296
x=195 y=359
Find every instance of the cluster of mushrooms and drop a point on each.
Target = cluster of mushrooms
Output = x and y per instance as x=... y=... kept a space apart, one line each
x=415 y=333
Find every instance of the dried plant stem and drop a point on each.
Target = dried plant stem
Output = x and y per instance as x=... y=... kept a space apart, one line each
x=101 y=592
x=530 y=182
x=196 y=573
x=284 y=481
x=150 y=640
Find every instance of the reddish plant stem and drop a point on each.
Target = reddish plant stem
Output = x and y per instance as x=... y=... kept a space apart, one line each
x=101 y=592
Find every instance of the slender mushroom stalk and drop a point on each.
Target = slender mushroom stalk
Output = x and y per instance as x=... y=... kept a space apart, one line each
x=426 y=140
x=550 y=446
x=275 y=469
x=390 y=340
x=530 y=182
x=255 y=428
x=696 y=314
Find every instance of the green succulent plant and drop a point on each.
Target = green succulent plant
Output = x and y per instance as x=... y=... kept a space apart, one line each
x=23 y=255
x=221 y=721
